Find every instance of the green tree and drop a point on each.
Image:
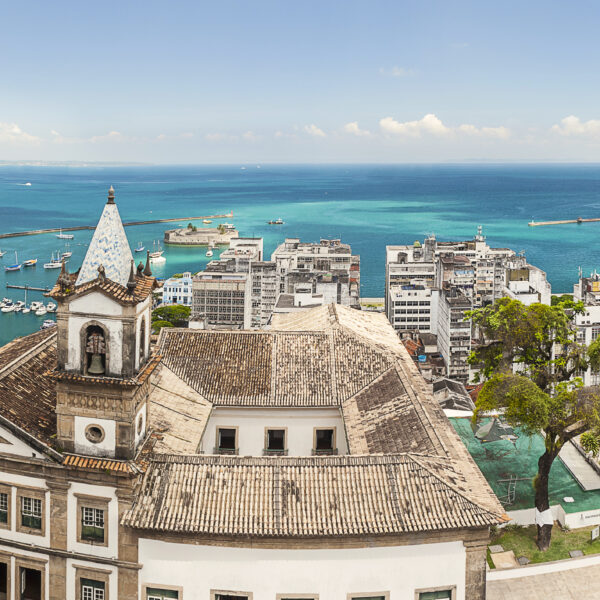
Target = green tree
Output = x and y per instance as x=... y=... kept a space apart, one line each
x=221 y=228
x=159 y=324
x=176 y=314
x=541 y=393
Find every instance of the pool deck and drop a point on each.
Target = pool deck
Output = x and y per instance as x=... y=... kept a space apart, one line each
x=581 y=470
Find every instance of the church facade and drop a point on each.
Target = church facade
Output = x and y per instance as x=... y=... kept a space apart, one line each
x=308 y=461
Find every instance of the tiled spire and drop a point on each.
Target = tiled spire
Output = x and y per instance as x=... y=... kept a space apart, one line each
x=109 y=247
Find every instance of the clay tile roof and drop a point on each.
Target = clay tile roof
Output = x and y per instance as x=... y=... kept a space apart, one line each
x=116 y=291
x=294 y=497
x=27 y=397
x=104 y=464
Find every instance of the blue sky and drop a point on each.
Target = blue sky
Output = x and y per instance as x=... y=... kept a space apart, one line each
x=256 y=81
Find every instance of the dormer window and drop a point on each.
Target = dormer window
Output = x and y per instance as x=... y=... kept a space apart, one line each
x=275 y=442
x=95 y=351
x=324 y=441
x=226 y=440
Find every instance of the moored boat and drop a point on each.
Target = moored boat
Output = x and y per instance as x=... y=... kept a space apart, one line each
x=64 y=236
x=140 y=247
x=55 y=263
x=15 y=267
x=30 y=262
x=278 y=221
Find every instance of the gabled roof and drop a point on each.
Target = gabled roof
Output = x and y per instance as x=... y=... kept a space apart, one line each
x=294 y=497
x=109 y=247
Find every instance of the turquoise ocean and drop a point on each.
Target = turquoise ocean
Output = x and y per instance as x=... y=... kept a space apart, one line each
x=367 y=206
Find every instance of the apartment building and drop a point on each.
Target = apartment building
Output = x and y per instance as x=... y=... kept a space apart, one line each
x=178 y=290
x=587 y=290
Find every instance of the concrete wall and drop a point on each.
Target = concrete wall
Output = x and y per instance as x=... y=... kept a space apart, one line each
x=330 y=573
x=251 y=423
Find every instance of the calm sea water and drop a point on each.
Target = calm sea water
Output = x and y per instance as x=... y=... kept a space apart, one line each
x=367 y=206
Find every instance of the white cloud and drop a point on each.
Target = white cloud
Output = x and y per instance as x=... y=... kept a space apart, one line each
x=396 y=72
x=111 y=136
x=573 y=125
x=354 y=129
x=428 y=124
x=432 y=125
x=314 y=130
x=12 y=133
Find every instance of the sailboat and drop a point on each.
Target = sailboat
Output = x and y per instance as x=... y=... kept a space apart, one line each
x=55 y=263
x=67 y=253
x=140 y=247
x=64 y=236
x=2 y=253
x=30 y=262
x=15 y=267
x=157 y=253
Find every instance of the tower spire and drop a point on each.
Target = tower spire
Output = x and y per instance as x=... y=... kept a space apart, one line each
x=131 y=282
x=111 y=195
x=147 y=269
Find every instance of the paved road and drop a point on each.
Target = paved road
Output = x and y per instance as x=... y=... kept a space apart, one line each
x=574 y=584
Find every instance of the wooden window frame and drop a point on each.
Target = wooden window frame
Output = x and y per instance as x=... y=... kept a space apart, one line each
x=213 y=594
x=237 y=441
x=334 y=441
x=7 y=489
x=35 y=493
x=97 y=502
x=161 y=586
x=102 y=575
x=25 y=562
x=439 y=588
x=5 y=558
x=269 y=452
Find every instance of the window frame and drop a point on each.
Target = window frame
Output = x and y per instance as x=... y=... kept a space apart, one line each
x=297 y=597
x=7 y=489
x=96 y=503
x=270 y=451
x=358 y=596
x=34 y=494
x=35 y=564
x=439 y=588
x=227 y=451
x=161 y=586
x=248 y=595
x=94 y=574
x=327 y=452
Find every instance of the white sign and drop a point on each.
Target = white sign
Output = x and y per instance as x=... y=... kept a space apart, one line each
x=595 y=533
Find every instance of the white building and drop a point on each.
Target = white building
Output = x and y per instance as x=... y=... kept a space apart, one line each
x=178 y=290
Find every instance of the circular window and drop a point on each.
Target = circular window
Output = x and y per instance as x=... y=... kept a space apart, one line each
x=94 y=433
x=140 y=424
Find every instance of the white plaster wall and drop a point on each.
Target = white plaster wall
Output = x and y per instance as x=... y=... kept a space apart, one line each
x=113 y=585
x=14 y=575
x=115 y=329
x=83 y=446
x=17 y=446
x=96 y=304
x=330 y=573
x=251 y=424
x=12 y=534
x=111 y=520
x=139 y=437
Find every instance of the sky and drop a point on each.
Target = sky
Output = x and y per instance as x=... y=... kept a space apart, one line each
x=312 y=81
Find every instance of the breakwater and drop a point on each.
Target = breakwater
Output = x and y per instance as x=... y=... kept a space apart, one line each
x=127 y=224
x=562 y=222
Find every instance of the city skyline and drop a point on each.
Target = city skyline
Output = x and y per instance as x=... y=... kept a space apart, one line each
x=275 y=82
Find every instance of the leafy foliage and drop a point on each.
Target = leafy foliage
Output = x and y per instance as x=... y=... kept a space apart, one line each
x=158 y=325
x=176 y=315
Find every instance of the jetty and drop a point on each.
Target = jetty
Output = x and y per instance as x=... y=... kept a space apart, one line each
x=27 y=287
x=127 y=224
x=562 y=222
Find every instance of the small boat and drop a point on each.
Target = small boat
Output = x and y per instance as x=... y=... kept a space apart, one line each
x=207 y=221
x=228 y=226
x=156 y=252
x=40 y=312
x=30 y=263
x=55 y=263
x=140 y=247
x=35 y=305
x=209 y=252
x=278 y=221
x=51 y=307
x=2 y=253
x=64 y=236
x=15 y=267
x=67 y=253
x=47 y=324
x=26 y=310
x=8 y=307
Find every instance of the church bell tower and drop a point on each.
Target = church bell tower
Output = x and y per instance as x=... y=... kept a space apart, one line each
x=103 y=366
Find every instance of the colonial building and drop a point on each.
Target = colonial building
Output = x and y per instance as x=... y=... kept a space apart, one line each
x=309 y=461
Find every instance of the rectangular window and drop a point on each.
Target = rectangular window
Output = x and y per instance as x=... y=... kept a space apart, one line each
x=92 y=524
x=275 y=441
x=368 y=597
x=91 y=589
x=226 y=440
x=230 y=596
x=4 y=507
x=436 y=595
x=324 y=442
x=31 y=512
x=160 y=594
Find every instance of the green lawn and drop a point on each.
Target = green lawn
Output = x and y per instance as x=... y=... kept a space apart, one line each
x=521 y=540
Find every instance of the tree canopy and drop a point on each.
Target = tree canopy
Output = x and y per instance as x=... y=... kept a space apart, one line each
x=176 y=315
x=530 y=358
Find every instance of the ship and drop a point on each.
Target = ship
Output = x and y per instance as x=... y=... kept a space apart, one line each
x=278 y=221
